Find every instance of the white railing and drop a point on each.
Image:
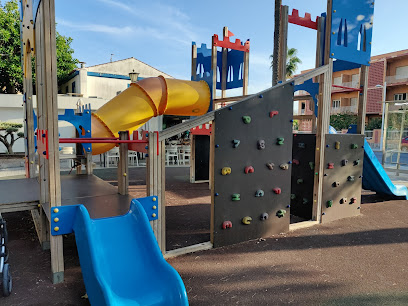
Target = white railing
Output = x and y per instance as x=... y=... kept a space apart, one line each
x=392 y=79
x=346 y=84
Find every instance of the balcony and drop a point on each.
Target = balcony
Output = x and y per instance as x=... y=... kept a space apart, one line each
x=351 y=86
x=343 y=109
x=396 y=80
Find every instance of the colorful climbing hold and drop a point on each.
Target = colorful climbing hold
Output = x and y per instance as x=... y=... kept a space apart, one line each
x=261 y=144
x=249 y=169
x=299 y=181
x=235 y=143
x=356 y=162
x=264 y=216
x=226 y=224
x=296 y=162
x=350 y=178
x=343 y=200
x=311 y=165
x=226 y=171
x=217 y=145
x=216 y=194
x=292 y=196
x=280 y=213
x=344 y=162
x=270 y=166
x=277 y=190
x=337 y=145
x=284 y=166
x=336 y=184
x=246 y=119
x=330 y=166
x=260 y=96
x=280 y=141
x=305 y=201
x=353 y=200
x=301 y=145
x=273 y=113
x=329 y=203
x=259 y=193
x=354 y=146
x=236 y=197
x=246 y=220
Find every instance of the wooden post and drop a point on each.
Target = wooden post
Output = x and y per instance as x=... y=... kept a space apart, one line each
x=245 y=74
x=211 y=181
x=162 y=196
x=194 y=62
x=50 y=183
x=123 y=165
x=224 y=72
x=88 y=163
x=283 y=43
x=214 y=71
x=193 y=158
x=362 y=100
x=385 y=128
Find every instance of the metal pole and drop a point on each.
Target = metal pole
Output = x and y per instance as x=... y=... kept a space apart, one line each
x=383 y=114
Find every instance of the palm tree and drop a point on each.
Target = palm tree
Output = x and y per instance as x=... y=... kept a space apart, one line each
x=292 y=62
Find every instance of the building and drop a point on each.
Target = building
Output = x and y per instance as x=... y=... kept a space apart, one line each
x=387 y=81
x=106 y=80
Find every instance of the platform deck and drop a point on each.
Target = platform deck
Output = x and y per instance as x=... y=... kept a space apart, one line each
x=99 y=197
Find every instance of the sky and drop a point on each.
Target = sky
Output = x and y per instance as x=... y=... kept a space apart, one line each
x=160 y=33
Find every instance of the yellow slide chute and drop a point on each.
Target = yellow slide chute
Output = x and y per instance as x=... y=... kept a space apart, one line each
x=144 y=100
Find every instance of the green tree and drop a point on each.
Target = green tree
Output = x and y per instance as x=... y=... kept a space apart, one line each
x=374 y=123
x=292 y=62
x=11 y=75
x=9 y=134
x=342 y=121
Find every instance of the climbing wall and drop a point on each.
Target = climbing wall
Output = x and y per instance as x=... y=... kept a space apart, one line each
x=202 y=157
x=344 y=154
x=303 y=156
x=252 y=167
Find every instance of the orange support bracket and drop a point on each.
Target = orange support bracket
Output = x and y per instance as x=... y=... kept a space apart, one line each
x=302 y=21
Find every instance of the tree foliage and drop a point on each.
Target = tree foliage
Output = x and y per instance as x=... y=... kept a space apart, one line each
x=9 y=134
x=292 y=62
x=374 y=123
x=11 y=74
x=342 y=121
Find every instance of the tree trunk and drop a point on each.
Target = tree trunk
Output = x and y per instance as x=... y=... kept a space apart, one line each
x=9 y=148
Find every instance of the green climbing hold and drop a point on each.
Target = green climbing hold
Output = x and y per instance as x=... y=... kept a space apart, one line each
x=299 y=181
x=311 y=165
x=354 y=146
x=236 y=197
x=356 y=162
x=280 y=141
x=246 y=119
x=305 y=201
x=292 y=196
x=350 y=178
x=330 y=203
x=281 y=213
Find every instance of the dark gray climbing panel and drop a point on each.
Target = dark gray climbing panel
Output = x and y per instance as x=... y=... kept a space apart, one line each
x=303 y=157
x=202 y=157
x=344 y=154
x=253 y=140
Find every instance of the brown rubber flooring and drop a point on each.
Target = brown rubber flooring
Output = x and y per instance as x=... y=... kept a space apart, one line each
x=356 y=261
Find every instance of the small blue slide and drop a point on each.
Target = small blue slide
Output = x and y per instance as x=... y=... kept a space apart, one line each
x=120 y=259
x=376 y=179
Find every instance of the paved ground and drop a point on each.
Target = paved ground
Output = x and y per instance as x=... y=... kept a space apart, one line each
x=355 y=261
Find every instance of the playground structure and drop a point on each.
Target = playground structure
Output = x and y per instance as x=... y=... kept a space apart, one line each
x=259 y=172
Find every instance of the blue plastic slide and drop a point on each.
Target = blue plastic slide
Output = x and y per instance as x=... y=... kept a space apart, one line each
x=120 y=259
x=376 y=179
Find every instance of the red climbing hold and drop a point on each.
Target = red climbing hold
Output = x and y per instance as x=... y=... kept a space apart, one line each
x=277 y=190
x=226 y=224
x=330 y=166
x=273 y=113
x=296 y=162
x=249 y=169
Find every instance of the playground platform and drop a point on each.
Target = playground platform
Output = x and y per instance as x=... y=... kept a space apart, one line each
x=100 y=198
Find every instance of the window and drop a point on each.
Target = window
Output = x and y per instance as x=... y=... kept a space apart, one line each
x=401 y=72
x=303 y=108
x=66 y=89
x=73 y=87
x=336 y=103
x=355 y=79
x=337 y=81
x=400 y=97
x=353 y=101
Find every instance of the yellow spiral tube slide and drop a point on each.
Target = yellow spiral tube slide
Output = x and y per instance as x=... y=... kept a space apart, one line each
x=144 y=100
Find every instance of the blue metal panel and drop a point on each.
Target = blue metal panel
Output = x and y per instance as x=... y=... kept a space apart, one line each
x=340 y=65
x=62 y=219
x=35 y=130
x=82 y=122
x=36 y=4
x=235 y=68
x=109 y=75
x=203 y=64
x=150 y=206
x=351 y=30
x=311 y=88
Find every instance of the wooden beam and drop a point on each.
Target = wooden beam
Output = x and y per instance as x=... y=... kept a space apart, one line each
x=245 y=77
x=230 y=99
x=303 y=117
x=211 y=180
x=224 y=71
x=214 y=69
x=362 y=100
x=123 y=164
x=194 y=62
x=192 y=158
x=283 y=42
x=162 y=196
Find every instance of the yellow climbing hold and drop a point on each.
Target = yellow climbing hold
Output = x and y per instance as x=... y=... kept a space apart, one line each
x=56 y=219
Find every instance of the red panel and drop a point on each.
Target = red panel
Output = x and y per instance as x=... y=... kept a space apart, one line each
x=302 y=21
x=230 y=45
x=204 y=129
x=42 y=143
x=374 y=96
x=139 y=147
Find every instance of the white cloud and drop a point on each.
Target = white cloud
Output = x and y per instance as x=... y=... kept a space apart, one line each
x=101 y=28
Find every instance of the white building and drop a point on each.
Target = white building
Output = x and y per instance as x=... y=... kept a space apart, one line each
x=107 y=80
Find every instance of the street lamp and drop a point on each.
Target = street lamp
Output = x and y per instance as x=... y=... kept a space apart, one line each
x=134 y=76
